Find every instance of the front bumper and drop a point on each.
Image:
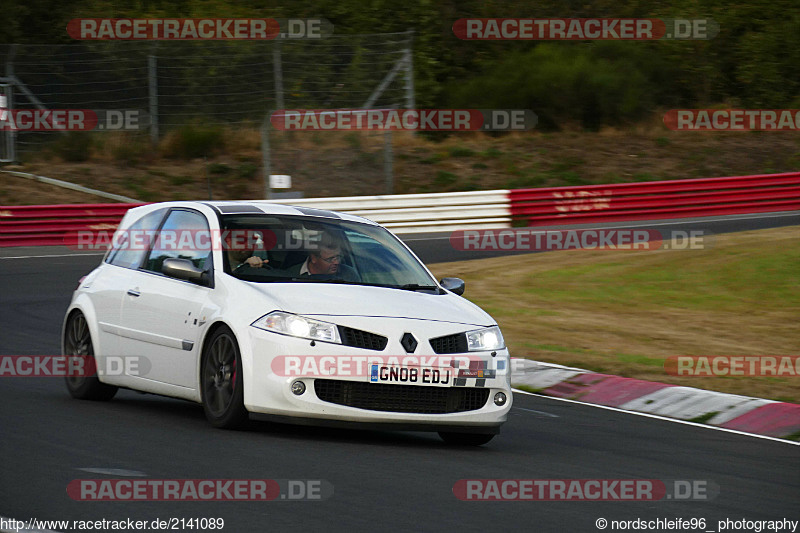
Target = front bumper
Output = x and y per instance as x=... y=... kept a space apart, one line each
x=268 y=384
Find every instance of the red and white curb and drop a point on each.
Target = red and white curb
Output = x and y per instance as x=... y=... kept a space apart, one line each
x=730 y=411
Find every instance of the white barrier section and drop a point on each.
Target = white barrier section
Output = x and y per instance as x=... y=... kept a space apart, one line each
x=422 y=213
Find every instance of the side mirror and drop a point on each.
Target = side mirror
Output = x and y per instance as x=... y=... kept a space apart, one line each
x=454 y=285
x=182 y=269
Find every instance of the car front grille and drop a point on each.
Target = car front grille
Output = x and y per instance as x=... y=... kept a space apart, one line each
x=401 y=398
x=362 y=339
x=450 y=343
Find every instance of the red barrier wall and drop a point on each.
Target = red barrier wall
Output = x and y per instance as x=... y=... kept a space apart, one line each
x=657 y=199
x=47 y=225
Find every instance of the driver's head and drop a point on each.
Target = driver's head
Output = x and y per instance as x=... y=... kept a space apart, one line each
x=238 y=247
x=325 y=259
x=238 y=256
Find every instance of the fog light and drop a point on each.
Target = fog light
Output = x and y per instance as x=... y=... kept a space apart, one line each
x=298 y=388
x=500 y=399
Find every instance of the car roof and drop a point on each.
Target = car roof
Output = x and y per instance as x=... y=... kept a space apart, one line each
x=260 y=207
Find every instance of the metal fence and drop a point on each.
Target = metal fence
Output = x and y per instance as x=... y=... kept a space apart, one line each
x=212 y=83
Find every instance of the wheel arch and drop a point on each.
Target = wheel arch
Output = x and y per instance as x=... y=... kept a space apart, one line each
x=216 y=325
x=234 y=417
x=80 y=306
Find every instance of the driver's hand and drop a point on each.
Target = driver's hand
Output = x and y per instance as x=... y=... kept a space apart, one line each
x=255 y=262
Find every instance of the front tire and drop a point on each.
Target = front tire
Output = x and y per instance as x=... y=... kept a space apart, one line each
x=78 y=342
x=221 y=382
x=465 y=439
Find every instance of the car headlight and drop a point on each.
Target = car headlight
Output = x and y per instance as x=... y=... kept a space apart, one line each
x=298 y=326
x=485 y=339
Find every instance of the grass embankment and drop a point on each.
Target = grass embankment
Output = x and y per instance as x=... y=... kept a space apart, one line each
x=324 y=164
x=625 y=312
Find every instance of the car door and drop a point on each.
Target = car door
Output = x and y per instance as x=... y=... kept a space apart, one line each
x=162 y=316
x=108 y=285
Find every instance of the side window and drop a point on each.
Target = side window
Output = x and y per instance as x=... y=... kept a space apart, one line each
x=131 y=245
x=184 y=235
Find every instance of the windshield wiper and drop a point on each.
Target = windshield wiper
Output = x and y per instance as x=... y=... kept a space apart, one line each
x=322 y=278
x=314 y=279
x=416 y=287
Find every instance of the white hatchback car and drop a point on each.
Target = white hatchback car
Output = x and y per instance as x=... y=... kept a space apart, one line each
x=292 y=314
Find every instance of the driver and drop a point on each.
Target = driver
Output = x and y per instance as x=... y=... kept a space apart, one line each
x=326 y=260
x=242 y=257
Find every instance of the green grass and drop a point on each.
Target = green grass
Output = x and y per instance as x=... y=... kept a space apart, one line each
x=680 y=279
x=641 y=360
x=625 y=312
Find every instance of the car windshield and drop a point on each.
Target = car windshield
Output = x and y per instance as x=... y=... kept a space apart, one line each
x=294 y=249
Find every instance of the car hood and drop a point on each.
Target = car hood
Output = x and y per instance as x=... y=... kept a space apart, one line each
x=360 y=300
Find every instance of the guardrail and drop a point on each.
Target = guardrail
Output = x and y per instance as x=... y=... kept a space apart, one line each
x=657 y=199
x=46 y=225
x=415 y=213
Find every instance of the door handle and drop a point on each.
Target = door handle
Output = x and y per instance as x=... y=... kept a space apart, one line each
x=134 y=292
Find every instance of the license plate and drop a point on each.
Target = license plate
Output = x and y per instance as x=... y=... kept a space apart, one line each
x=411 y=375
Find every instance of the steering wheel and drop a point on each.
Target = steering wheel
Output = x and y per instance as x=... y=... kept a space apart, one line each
x=244 y=267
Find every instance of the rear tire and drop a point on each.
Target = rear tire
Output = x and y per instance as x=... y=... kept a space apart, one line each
x=465 y=439
x=78 y=342
x=221 y=382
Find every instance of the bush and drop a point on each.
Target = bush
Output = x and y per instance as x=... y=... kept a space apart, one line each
x=246 y=170
x=492 y=153
x=445 y=180
x=193 y=141
x=218 y=169
x=74 y=147
x=590 y=85
x=178 y=181
x=460 y=151
x=130 y=149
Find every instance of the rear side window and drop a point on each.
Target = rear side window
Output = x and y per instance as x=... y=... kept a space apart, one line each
x=183 y=236
x=131 y=244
